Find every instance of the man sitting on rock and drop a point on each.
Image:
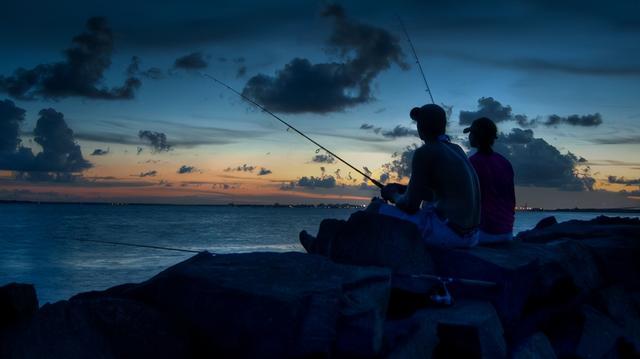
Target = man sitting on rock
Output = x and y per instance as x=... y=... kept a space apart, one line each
x=443 y=195
x=496 y=183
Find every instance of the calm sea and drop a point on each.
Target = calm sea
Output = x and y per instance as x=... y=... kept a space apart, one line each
x=37 y=246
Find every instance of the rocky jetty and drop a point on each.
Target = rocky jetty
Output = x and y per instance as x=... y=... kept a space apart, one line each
x=563 y=290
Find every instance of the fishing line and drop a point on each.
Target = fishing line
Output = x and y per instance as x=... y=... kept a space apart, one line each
x=264 y=109
x=415 y=55
x=136 y=245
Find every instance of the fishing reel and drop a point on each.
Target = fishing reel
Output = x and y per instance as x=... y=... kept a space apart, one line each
x=440 y=295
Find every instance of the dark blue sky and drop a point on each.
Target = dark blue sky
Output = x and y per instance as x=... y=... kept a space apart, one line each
x=565 y=71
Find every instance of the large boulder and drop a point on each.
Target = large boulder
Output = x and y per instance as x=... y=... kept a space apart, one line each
x=96 y=328
x=600 y=227
x=371 y=239
x=18 y=302
x=469 y=329
x=511 y=266
x=536 y=346
x=269 y=304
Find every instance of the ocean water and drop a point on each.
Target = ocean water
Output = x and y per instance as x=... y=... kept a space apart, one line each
x=37 y=242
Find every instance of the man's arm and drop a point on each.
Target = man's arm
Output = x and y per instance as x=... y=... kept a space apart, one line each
x=417 y=189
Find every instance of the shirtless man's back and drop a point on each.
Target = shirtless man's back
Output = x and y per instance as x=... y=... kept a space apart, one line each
x=442 y=177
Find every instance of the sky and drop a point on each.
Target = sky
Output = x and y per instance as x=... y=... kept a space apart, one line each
x=108 y=101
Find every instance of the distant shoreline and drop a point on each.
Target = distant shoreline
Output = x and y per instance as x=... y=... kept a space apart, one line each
x=322 y=205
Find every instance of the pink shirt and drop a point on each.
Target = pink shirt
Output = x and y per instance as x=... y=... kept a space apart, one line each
x=498 y=199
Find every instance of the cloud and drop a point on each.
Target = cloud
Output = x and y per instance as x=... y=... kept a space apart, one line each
x=157 y=141
x=60 y=155
x=152 y=73
x=264 y=172
x=243 y=168
x=100 y=152
x=80 y=75
x=334 y=86
x=400 y=131
x=396 y=132
x=193 y=61
x=400 y=164
x=489 y=107
x=537 y=163
x=497 y=112
x=151 y=173
x=11 y=117
x=617 y=140
x=575 y=120
x=624 y=181
x=323 y=159
x=186 y=169
x=316 y=182
x=242 y=70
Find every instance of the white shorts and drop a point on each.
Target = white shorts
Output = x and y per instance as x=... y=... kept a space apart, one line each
x=485 y=238
x=434 y=231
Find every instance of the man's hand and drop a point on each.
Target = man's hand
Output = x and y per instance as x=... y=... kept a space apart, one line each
x=391 y=191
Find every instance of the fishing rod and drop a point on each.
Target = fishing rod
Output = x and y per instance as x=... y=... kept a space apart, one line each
x=264 y=109
x=413 y=50
x=136 y=245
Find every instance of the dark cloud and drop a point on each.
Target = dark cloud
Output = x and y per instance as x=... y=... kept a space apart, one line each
x=60 y=156
x=493 y=109
x=288 y=186
x=323 y=159
x=80 y=75
x=400 y=164
x=489 y=107
x=325 y=87
x=617 y=140
x=316 y=182
x=537 y=163
x=384 y=178
x=243 y=168
x=575 y=120
x=366 y=126
x=151 y=173
x=400 y=131
x=100 y=152
x=242 y=70
x=193 y=61
x=11 y=117
x=186 y=169
x=624 y=181
x=157 y=141
x=152 y=73
x=263 y=172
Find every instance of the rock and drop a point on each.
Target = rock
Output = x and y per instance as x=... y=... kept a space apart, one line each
x=600 y=227
x=617 y=258
x=618 y=303
x=512 y=267
x=600 y=335
x=535 y=347
x=546 y=222
x=371 y=239
x=96 y=328
x=271 y=304
x=469 y=329
x=18 y=302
